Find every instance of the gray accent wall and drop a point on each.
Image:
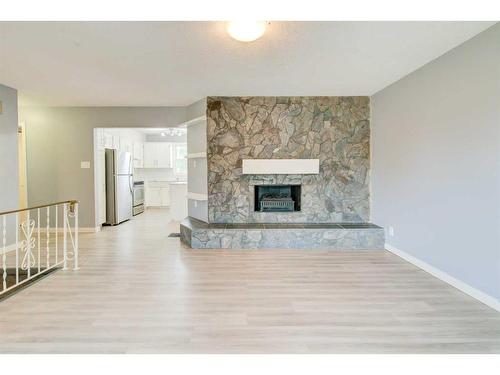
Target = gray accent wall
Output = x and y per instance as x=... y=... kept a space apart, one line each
x=9 y=165
x=335 y=130
x=59 y=138
x=436 y=162
x=197 y=109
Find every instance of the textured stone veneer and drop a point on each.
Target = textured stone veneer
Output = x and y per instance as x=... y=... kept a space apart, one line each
x=335 y=130
x=200 y=235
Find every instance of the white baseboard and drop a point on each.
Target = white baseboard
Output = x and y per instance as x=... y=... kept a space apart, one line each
x=460 y=285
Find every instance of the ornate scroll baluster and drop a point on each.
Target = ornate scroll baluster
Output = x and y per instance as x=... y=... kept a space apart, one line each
x=27 y=244
x=73 y=236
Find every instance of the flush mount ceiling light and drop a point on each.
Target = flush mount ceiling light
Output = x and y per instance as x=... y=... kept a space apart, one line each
x=246 y=31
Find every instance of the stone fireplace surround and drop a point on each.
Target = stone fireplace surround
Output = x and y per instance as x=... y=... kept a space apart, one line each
x=334 y=203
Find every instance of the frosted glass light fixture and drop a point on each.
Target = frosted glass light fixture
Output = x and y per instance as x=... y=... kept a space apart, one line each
x=246 y=31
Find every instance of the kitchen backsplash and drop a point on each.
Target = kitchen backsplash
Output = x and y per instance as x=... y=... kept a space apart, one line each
x=157 y=174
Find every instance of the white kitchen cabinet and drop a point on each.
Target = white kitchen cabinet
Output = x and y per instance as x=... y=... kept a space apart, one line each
x=150 y=155
x=126 y=145
x=165 y=196
x=165 y=155
x=153 y=197
x=157 y=194
x=138 y=154
x=157 y=155
x=116 y=142
x=108 y=140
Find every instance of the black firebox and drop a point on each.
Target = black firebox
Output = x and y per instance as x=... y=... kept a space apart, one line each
x=277 y=198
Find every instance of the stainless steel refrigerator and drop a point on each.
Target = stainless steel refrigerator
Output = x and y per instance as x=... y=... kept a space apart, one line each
x=119 y=186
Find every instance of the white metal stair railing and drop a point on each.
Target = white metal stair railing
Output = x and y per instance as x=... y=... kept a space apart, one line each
x=23 y=255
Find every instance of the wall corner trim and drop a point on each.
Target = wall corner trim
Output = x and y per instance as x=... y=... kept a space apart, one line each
x=460 y=285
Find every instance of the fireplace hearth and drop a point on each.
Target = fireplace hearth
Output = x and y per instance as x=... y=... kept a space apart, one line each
x=277 y=198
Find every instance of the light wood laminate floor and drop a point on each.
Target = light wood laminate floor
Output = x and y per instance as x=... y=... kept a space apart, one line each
x=139 y=291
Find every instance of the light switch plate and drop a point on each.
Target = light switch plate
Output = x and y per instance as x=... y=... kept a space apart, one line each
x=85 y=164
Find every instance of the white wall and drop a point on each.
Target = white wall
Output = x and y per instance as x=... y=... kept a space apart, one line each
x=435 y=168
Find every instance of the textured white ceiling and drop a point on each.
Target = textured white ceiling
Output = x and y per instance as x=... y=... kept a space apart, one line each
x=177 y=63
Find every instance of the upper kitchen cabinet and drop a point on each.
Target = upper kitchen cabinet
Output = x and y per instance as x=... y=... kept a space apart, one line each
x=138 y=154
x=126 y=144
x=157 y=155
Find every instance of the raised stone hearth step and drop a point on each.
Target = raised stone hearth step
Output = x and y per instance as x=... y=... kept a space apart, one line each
x=335 y=236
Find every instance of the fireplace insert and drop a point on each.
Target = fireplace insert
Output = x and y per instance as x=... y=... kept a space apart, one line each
x=277 y=198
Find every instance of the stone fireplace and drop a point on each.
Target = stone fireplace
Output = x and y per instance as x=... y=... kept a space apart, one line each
x=335 y=130
x=328 y=208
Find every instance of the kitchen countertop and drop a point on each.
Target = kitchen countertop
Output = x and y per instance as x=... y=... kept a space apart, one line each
x=169 y=181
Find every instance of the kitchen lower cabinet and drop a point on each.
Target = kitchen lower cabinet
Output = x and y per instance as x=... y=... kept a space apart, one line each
x=157 y=194
x=165 y=196
x=152 y=197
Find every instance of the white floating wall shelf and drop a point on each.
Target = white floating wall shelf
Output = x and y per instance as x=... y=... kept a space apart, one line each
x=197 y=196
x=280 y=166
x=192 y=122
x=197 y=155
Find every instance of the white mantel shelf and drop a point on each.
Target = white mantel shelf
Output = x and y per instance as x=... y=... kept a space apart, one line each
x=280 y=166
x=197 y=155
x=197 y=196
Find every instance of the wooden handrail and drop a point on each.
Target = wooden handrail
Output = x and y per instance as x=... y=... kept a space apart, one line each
x=71 y=202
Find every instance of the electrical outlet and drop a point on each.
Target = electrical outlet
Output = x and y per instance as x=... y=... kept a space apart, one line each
x=391 y=231
x=195 y=204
